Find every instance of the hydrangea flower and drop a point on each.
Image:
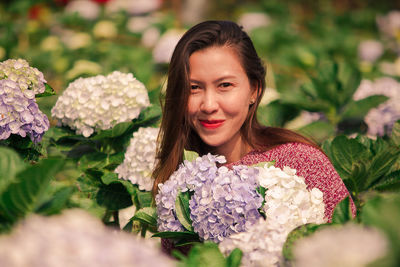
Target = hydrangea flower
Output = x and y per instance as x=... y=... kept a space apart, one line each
x=140 y=158
x=189 y=176
x=76 y=238
x=20 y=114
x=381 y=119
x=100 y=102
x=253 y=20
x=370 y=50
x=288 y=204
x=349 y=245
x=226 y=204
x=165 y=46
x=30 y=80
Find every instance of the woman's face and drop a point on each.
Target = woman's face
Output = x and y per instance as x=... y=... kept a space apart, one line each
x=219 y=99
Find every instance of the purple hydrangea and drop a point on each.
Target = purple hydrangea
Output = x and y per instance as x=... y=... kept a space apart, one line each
x=226 y=204
x=20 y=114
x=223 y=202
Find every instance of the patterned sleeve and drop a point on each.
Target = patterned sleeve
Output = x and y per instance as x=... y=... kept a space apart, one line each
x=317 y=170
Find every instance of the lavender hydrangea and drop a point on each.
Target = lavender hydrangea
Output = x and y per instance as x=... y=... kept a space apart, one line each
x=19 y=113
x=381 y=119
x=223 y=202
x=226 y=204
x=140 y=158
x=288 y=204
x=190 y=176
x=100 y=102
x=76 y=238
x=30 y=80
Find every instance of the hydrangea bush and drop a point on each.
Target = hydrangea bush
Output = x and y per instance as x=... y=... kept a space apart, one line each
x=19 y=112
x=100 y=102
x=380 y=120
x=140 y=158
x=76 y=238
x=225 y=203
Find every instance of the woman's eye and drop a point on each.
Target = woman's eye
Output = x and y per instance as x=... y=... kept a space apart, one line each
x=225 y=84
x=194 y=87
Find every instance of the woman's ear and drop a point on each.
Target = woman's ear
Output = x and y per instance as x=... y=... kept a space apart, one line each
x=256 y=92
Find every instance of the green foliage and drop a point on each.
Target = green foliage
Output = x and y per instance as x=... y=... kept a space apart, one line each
x=342 y=213
x=330 y=91
x=365 y=164
x=24 y=187
x=383 y=212
x=208 y=254
x=183 y=210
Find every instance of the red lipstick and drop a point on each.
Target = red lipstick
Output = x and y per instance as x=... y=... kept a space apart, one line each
x=211 y=124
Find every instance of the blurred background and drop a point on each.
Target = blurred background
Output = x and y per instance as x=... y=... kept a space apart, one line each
x=301 y=43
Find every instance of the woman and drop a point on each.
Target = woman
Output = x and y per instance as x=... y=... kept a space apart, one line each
x=215 y=83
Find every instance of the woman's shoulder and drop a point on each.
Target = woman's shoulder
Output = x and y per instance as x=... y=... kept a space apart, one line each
x=293 y=152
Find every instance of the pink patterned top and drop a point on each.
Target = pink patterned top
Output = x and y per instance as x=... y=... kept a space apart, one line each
x=311 y=164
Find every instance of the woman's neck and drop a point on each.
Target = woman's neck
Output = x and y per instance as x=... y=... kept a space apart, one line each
x=234 y=152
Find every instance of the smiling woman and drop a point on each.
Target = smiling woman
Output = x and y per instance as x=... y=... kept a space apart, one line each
x=219 y=100
x=215 y=83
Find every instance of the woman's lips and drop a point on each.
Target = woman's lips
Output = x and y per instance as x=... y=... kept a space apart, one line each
x=211 y=124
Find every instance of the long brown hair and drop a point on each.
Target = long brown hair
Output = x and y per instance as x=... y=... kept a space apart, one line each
x=175 y=131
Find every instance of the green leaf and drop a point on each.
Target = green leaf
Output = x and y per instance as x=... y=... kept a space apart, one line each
x=234 y=259
x=344 y=152
x=318 y=130
x=390 y=183
x=395 y=137
x=186 y=234
x=190 y=155
x=358 y=109
x=113 y=196
x=381 y=165
x=57 y=202
x=144 y=198
x=109 y=177
x=93 y=160
x=207 y=254
x=147 y=215
x=10 y=165
x=48 y=91
x=342 y=213
x=23 y=196
x=183 y=211
x=118 y=130
x=263 y=163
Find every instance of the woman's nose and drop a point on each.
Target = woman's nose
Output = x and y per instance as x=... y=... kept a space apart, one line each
x=209 y=102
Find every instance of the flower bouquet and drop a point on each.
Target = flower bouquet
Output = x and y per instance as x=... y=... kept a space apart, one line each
x=204 y=201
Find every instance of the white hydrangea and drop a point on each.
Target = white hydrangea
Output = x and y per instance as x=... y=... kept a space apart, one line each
x=77 y=239
x=100 y=102
x=370 y=50
x=348 y=246
x=140 y=158
x=253 y=20
x=381 y=119
x=89 y=10
x=288 y=204
x=165 y=46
